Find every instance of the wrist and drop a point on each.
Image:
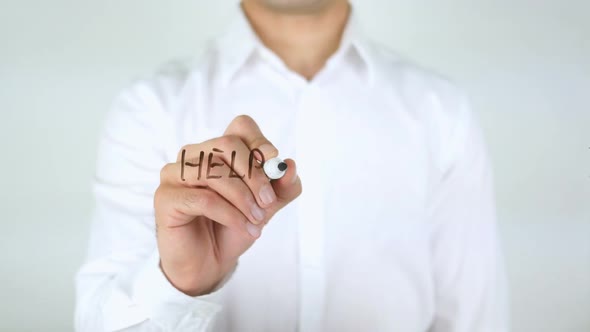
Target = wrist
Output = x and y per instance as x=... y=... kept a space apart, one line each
x=190 y=282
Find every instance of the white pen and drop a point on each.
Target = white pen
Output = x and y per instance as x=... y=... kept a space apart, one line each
x=275 y=168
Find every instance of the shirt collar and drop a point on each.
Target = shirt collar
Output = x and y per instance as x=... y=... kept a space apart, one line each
x=240 y=42
x=356 y=42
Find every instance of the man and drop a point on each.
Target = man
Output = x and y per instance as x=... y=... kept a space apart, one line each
x=394 y=230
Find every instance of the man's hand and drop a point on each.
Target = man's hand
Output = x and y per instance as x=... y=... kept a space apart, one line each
x=205 y=225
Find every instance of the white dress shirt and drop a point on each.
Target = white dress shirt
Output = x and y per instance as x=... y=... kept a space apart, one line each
x=395 y=229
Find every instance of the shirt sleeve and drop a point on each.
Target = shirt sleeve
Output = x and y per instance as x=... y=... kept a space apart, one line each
x=121 y=287
x=468 y=267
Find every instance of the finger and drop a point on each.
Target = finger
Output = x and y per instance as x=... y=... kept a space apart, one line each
x=238 y=156
x=247 y=129
x=183 y=205
x=289 y=186
x=218 y=179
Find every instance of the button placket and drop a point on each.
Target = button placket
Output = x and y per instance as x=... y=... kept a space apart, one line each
x=311 y=210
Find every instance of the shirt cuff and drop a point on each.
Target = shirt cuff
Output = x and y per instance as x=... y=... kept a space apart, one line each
x=152 y=297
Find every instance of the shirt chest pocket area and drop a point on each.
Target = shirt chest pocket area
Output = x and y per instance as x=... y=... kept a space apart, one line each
x=374 y=170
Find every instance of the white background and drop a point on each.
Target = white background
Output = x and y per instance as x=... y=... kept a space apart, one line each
x=526 y=65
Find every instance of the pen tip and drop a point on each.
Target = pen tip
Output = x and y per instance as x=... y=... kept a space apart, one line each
x=282 y=166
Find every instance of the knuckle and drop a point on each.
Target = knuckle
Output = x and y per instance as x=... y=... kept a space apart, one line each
x=185 y=147
x=189 y=200
x=228 y=141
x=242 y=121
x=159 y=197
x=166 y=171
x=201 y=200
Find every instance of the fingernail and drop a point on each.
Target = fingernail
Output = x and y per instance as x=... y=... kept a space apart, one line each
x=253 y=230
x=295 y=177
x=257 y=212
x=267 y=194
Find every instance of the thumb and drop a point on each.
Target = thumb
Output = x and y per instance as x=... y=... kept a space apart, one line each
x=289 y=186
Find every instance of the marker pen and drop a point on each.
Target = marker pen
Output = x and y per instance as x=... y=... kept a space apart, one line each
x=275 y=168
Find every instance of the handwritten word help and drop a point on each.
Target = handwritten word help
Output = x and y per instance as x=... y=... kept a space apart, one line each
x=210 y=164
